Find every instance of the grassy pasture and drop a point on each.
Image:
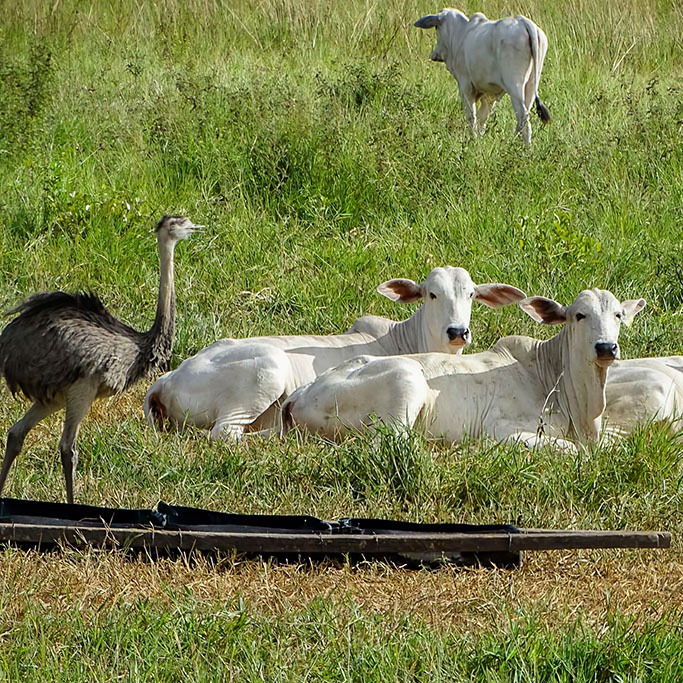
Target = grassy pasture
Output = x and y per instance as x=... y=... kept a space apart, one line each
x=325 y=154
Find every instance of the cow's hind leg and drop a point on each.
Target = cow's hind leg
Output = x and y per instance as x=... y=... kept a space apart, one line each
x=231 y=427
x=523 y=123
x=252 y=404
x=469 y=105
x=226 y=429
x=533 y=441
x=360 y=393
x=484 y=109
x=402 y=384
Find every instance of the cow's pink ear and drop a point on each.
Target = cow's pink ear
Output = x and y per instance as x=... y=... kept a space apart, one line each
x=631 y=307
x=494 y=294
x=544 y=310
x=403 y=290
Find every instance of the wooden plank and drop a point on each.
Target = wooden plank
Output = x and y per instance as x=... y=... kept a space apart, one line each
x=404 y=542
x=547 y=539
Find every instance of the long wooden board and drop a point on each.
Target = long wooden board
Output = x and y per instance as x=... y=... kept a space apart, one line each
x=313 y=543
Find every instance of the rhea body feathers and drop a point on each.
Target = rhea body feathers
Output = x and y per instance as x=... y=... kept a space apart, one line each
x=72 y=336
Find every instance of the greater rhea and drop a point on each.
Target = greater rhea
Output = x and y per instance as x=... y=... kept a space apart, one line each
x=66 y=350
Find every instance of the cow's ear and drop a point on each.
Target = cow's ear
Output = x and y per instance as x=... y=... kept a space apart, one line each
x=544 y=310
x=429 y=21
x=494 y=294
x=631 y=307
x=403 y=290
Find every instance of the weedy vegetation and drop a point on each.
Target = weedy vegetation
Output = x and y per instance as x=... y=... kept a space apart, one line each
x=326 y=154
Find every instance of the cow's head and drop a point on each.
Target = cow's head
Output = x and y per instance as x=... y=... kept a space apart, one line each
x=442 y=323
x=447 y=24
x=593 y=322
x=585 y=348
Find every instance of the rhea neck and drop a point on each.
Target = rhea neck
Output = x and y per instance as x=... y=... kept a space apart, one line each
x=160 y=335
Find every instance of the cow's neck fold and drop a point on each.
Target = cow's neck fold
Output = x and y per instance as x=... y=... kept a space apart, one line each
x=407 y=336
x=574 y=387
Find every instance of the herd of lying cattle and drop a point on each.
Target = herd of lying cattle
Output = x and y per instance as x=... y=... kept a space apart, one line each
x=557 y=392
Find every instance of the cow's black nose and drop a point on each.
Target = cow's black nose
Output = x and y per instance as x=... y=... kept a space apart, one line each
x=458 y=333
x=606 y=350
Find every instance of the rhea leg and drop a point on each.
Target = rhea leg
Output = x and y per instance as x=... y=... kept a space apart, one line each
x=18 y=431
x=78 y=401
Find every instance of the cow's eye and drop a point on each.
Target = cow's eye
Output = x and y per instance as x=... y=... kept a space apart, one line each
x=620 y=316
x=471 y=295
x=432 y=295
x=580 y=316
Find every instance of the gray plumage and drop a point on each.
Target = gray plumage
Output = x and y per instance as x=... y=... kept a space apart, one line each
x=66 y=350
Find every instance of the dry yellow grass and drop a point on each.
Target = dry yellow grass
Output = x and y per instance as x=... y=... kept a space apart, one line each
x=560 y=586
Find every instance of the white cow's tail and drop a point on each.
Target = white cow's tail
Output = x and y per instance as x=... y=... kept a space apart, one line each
x=534 y=42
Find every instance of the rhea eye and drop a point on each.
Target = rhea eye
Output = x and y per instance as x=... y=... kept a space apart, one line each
x=432 y=295
x=580 y=316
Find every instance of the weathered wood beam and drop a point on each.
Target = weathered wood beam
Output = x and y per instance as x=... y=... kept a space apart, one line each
x=310 y=543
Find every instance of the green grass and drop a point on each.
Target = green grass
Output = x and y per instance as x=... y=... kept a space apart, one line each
x=326 y=154
x=325 y=642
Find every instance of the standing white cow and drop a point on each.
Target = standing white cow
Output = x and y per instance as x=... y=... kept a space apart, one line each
x=489 y=59
x=523 y=389
x=237 y=385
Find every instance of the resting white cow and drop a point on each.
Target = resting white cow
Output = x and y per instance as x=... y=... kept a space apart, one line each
x=236 y=385
x=645 y=390
x=489 y=59
x=523 y=389
x=639 y=391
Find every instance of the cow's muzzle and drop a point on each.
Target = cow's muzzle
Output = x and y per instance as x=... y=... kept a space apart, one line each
x=606 y=353
x=458 y=336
